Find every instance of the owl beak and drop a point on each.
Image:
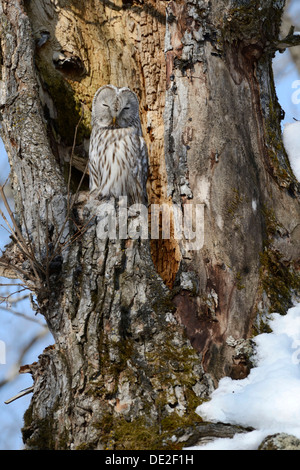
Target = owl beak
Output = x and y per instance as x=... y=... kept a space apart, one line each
x=114 y=120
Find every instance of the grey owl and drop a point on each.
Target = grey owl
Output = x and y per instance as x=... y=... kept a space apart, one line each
x=118 y=158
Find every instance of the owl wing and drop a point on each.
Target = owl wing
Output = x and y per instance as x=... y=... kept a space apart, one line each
x=137 y=161
x=94 y=167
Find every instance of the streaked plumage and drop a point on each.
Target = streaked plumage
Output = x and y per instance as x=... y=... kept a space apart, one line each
x=118 y=159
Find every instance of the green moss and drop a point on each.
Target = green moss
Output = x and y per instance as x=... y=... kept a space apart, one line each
x=261 y=326
x=279 y=278
x=26 y=430
x=86 y=446
x=165 y=304
x=67 y=104
x=63 y=440
x=274 y=144
x=244 y=20
x=235 y=201
x=182 y=362
x=41 y=436
x=239 y=283
x=120 y=434
x=271 y=224
x=166 y=367
x=134 y=435
x=125 y=353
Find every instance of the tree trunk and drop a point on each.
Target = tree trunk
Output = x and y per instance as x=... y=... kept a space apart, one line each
x=143 y=328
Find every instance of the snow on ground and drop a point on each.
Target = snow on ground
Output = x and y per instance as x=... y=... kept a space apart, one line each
x=269 y=398
x=291 y=140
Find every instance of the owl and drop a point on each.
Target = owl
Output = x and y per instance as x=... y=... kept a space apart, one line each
x=118 y=157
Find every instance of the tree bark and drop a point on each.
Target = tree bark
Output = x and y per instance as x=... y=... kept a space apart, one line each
x=287 y=24
x=144 y=329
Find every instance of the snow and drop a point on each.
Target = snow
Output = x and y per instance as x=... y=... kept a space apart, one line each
x=291 y=140
x=254 y=205
x=268 y=399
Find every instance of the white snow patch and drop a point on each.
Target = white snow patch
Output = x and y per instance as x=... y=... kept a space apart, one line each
x=268 y=399
x=254 y=205
x=291 y=140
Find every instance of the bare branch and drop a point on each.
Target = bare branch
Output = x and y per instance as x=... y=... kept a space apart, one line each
x=14 y=372
x=72 y=153
x=17 y=235
x=22 y=315
x=22 y=393
x=290 y=40
x=5 y=299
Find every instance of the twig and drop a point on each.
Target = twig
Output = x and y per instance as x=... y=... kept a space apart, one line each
x=47 y=247
x=18 y=232
x=17 y=235
x=38 y=236
x=72 y=154
x=14 y=372
x=22 y=393
x=70 y=205
x=22 y=315
x=290 y=40
x=32 y=251
x=80 y=183
x=19 y=299
x=77 y=235
x=6 y=285
x=27 y=247
x=18 y=270
x=5 y=299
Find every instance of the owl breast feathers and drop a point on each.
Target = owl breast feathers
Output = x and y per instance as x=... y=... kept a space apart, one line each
x=118 y=158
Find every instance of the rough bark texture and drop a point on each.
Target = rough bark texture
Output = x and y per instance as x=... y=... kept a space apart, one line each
x=226 y=147
x=144 y=329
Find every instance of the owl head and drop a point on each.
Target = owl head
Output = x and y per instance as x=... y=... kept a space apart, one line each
x=115 y=107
